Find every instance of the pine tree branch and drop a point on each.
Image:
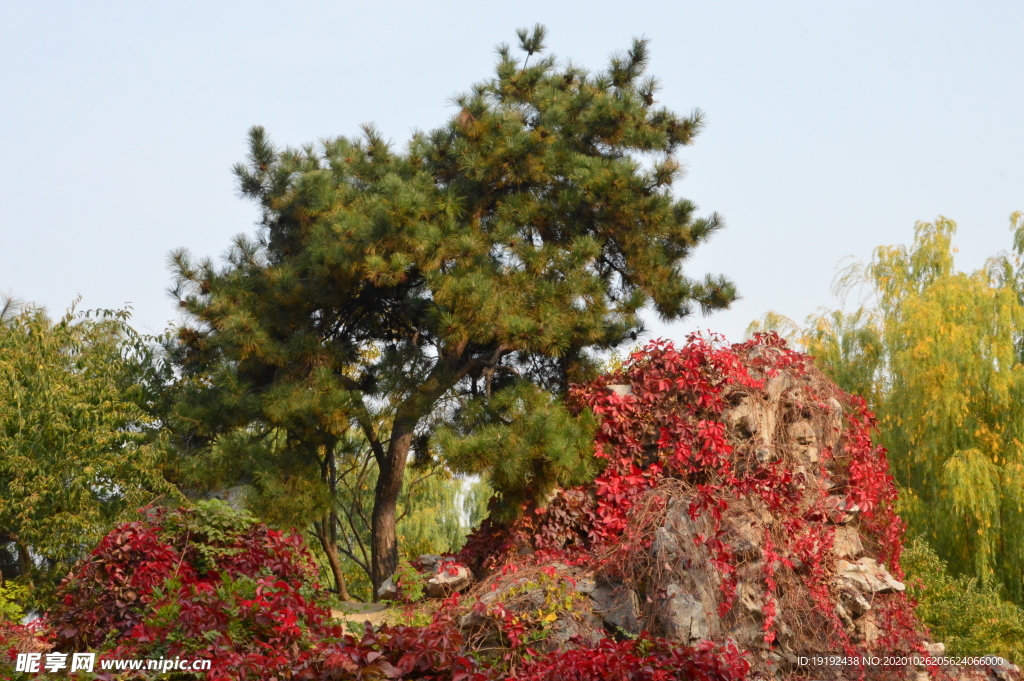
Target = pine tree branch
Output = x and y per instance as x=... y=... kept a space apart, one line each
x=364 y=419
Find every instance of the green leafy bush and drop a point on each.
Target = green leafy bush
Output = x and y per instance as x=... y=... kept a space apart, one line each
x=10 y=595
x=411 y=584
x=970 y=617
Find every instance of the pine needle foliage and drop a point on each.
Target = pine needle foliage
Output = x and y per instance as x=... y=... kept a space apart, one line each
x=396 y=290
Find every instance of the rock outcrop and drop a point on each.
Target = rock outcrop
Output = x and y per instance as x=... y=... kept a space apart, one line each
x=743 y=501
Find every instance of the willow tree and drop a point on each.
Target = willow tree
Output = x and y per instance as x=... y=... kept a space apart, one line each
x=389 y=289
x=937 y=355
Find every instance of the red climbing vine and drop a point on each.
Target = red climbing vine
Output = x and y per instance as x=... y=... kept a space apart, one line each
x=663 y=417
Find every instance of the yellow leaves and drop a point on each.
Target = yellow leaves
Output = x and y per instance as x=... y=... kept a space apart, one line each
x=948 y=390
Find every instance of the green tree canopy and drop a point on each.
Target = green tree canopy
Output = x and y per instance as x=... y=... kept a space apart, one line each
x=396 y=290
x=78 y=450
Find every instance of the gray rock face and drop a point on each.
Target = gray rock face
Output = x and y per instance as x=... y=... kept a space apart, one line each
x=866 y=576
x=388 y=591
x=847 y=543
x=472 y=620
x=1005 y=670
x=617 y=606
x=621 y=389
x=750 y=597
x=429 y=561
x=585 y=585
x=746 y=539
x=687 y=566
x=563 y=630
x=686 y=615
x=851 y=607
x=805 y=441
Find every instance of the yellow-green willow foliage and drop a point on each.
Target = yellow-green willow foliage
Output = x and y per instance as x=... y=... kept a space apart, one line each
x=937 y=357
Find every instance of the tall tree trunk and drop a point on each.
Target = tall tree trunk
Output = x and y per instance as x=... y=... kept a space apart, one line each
x=391 y=463
x=24 y=562
x=327 y=529
x=328 y=540
x=391 y=471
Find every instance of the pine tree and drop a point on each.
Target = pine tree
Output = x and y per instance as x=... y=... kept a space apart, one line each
x=397 y=291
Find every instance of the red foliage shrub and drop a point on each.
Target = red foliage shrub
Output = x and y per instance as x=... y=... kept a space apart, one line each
x=208 y=583
x=200 y=583
x=176 y=570
x=108 y=595
x=643 y=659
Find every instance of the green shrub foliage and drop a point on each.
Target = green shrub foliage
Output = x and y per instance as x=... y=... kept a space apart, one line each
x=968 y=616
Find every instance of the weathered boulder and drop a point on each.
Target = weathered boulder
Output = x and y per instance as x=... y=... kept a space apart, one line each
x=449 y=579
x=430 y=562
x=1004 y=670
x=683 y=567
x=585 y=584
x=617 y=606
x=846 y=543
x=687 y=620
x=866 y=576
x=852 y=606
x=388 y=591
x=769 y=521
x=804 y=441
x=621 y=389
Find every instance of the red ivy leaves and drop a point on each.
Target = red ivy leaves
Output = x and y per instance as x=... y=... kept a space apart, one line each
x=246 y=600
x=669 y=425
x=642 y=659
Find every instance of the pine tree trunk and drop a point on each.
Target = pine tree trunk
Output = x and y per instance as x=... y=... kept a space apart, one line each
x=384 y=540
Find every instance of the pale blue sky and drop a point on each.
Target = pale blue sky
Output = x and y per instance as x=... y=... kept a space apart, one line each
x=832 y=126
